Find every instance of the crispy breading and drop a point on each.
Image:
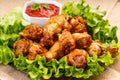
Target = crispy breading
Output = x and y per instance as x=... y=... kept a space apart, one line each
x=32 y=32
x=83 y=40
x=78 y=24
x=53 y=52
x=36 y=49
x=53 y=26
x=22 y=45
x=67 y=42
x=60 y=37
x=77 y=57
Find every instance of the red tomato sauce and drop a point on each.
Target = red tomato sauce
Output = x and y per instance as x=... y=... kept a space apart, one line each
x=42 y=12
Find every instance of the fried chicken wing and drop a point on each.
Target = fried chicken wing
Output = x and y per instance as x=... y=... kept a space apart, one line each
x=62 y=47
x=78 y=24
x=67 y=26
x=67 y=43
x=77 y=57
x=80 y=28
x=97 y=48
x=83 y=40
x=47 y=39
x=112 y=50
x=36 y=49
x=60 y=37
x=53 y=52
x=53 y=26
x=22 y=45
x=32 y=32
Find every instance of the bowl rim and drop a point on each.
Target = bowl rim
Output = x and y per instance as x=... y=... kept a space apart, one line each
x=40 y=1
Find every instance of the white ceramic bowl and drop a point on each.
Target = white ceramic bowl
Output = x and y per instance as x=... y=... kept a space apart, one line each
x=39 y=20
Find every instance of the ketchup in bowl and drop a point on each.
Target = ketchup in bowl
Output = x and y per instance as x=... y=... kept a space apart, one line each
x=42 y=10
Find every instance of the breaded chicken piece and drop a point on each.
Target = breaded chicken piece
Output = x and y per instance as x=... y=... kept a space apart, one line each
x=53 y=52
x=22 y=45
x=112 y=50
x=36 y=49
x=77 y=57
x=32 y=32
x=97 y=48
x=67 y=26
x=53 y=26
x=47 y=39
x=78 y=24
x=67 y=43
x=83 y=40
x=62 y=47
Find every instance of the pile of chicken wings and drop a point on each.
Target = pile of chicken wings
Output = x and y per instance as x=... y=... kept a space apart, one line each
x=61 y=36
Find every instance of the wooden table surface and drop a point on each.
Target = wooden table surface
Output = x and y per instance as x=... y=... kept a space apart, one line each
x=113 y=15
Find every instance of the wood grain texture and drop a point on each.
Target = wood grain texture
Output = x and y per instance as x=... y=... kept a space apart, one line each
x=10 y=73
x=108 y=74
x=113 y=14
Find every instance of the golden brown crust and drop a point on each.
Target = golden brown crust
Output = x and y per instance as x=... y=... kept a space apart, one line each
x=32 y=32
x=22 y=45
x=78 y=24
x=77 y=57
x=53 y=52
x=83 y=40
x=67 y=43
x=58 y=38
x=36 y=49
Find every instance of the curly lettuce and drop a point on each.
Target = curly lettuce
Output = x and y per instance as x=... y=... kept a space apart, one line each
x=40 y=68
x=6 y=55
x=10 y=25
x=97 y=26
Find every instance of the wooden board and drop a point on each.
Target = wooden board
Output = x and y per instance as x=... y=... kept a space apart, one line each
x=113 y=14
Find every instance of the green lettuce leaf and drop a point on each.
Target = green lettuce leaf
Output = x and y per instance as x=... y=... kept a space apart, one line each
x=40 y=68
x=106 y=59
x=8 y=39
x=12 y=22
x=97 y=26
x=36 y=68
x=20 y=63
x=10 y=25
x=6 y=55
x=93 y=65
